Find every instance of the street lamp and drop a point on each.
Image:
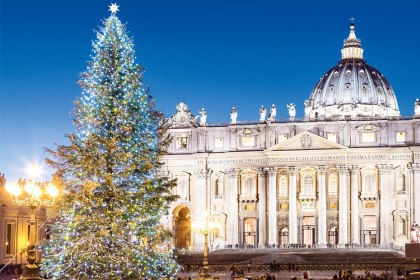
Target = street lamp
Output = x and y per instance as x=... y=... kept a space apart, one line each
x=33 y=195
x=205 y=227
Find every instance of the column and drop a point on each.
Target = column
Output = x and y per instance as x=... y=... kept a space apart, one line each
x=355 y=229
x=209 y=191
x=233 y=206
x=386 y=216
x=262 y=208
x=292 y=205
x=322 y=207
x=199 y=198
x=272 y=206
x=416 y=192
x=342 y=205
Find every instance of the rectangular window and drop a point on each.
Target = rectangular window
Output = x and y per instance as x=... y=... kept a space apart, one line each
x=10 y=238
x=281 y=138
x=368 y=137
x=249 y=207
x=182 y=142
x=284 y=206
x=248 y=141
x=400 y=136
x=218 y=142
x=332 y=136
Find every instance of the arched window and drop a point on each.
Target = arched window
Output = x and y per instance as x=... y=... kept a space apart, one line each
x=218 y=188
x=249 y=188
x=369 y=186
x=308 y=184
x=283 y=188
x=400 y=183
x=332 y=184
x=403 y=226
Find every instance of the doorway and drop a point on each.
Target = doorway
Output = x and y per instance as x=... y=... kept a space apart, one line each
x=308 y=231
x=250 y=231
x=182 y=232
x=333 y=236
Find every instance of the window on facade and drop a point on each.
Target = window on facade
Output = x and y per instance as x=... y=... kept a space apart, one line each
x=218 y=142
x=182 y=142
x=332 y=184
x=182 y=188
x=368 y=137
x=400 y=184
x=281 y=138
x=402 y=227
x=332 y=136
x=10 y=238
x=249 y=207
x=369 y=186
x=400 y=136
x=283 y=187
x=249 y=188
x=248 y=141
x=218 y=191
x=308 y=184
x=284 y=206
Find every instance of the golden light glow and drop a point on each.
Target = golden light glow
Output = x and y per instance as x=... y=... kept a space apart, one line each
x=29 y=193
x=13 y=189
x=52 y=190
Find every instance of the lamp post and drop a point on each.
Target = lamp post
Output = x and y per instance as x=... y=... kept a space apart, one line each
x=205 y=227
x=33 y=195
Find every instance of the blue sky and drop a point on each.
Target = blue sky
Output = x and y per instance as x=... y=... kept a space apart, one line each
x=210 y=53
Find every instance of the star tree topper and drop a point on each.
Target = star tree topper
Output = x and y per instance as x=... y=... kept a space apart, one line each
x=114 y=8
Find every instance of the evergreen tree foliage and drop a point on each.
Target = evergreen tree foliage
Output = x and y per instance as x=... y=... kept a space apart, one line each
x=107 y=222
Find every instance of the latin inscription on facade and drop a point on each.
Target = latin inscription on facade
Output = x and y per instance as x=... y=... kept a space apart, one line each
x=360 y=157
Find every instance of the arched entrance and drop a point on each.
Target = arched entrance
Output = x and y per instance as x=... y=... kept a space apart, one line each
x=284 y=236
x=182 y=227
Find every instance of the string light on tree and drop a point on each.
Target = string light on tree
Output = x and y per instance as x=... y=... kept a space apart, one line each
x=108 y=220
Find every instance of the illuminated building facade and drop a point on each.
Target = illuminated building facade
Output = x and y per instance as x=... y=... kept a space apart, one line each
x=348 y=172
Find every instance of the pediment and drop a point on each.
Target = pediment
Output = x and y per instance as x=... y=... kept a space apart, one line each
x=306 y=141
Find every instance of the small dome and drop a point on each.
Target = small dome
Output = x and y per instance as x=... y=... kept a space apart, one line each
x=352 y=88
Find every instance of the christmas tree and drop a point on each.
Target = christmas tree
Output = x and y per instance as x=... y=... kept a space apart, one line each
x=107 y=223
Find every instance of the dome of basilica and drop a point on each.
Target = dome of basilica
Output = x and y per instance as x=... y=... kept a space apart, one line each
x=352 y=88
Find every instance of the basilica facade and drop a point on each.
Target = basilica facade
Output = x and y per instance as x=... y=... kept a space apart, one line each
x=347 y=173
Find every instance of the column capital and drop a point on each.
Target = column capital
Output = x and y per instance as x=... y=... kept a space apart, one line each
x=384 y=168
x=342 y=169
x=322 y=169
x=293 y=170
x=261 y=171
x=354 y=169
x=164 y=173
x=201 y=173
x=272 y=171
x=415 y=167
x=232 y=172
